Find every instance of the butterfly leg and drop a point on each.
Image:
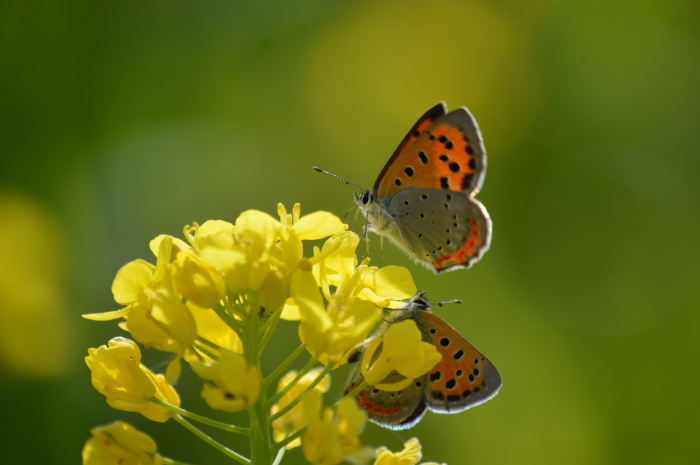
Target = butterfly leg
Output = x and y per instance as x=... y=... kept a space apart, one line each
x=366 y=229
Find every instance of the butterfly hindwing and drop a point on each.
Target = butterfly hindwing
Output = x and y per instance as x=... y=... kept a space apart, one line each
x=448 y=155
x=444 y=229
x=464 y=377
x=395 y=410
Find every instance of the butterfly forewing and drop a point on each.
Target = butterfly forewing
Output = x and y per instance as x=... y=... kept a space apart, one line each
x=448 y=155
x=464 y=377
x=444 y=229
x=421 y=125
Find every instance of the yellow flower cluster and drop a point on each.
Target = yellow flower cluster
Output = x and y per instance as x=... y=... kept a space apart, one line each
x=410 y=455
x=122 y=444
x=118 y=374
x=214 y=301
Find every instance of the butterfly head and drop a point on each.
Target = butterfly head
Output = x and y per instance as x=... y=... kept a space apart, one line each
x=364 y=199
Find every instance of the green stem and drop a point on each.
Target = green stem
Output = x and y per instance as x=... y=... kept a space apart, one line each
x=270 y=329
x=288 y=387
x=201 y=419
x=279 y=456
x=168 y=461
x=269 y=319
x=283 y=367
x=356 y=390
x=207 y=342
x=204 y=350
x=221 y=448
x=260 y=437
x=293 y=403
x=230 y=321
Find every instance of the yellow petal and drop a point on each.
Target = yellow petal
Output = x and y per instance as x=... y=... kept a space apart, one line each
x=308 y=298
x=389 y=282
x=290 y=312
x=106 y=316
x=262 y=223
x=130 y=281
x=178 y=244
x=213 y=227
x=318 y=225
x=121 y=443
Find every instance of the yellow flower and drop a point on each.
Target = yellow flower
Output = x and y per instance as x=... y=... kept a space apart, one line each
x=214 y=330
x=402 y=351
x=243 y=258
x=206 y=235
x=119 y=443
x=117 y=373
x=273 y=291
x=298 y=228
x=134 y=278
x=336 y=265
x=332 y=436
x=174 y=245
x=163 y=322
x=196 y=281
x=232 y=386
x=410 y=455
x=293 y=420
x=127 y=288
x=37 y=330
x=330 y=333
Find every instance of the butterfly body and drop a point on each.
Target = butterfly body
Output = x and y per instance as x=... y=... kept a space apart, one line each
x=423 y=200
x=462 y=379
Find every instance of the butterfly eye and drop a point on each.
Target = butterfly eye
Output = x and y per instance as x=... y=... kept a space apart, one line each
x=366 y=198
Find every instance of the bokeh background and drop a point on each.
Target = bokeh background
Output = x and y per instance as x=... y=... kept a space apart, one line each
x=123 y=120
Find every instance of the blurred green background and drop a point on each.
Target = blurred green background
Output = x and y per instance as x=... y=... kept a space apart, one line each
x=124 y=120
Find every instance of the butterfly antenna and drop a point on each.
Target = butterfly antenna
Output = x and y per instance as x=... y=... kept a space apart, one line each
x=336 y=176
x=440 y=304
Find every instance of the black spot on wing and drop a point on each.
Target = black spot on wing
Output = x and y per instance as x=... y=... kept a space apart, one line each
x=467 y=181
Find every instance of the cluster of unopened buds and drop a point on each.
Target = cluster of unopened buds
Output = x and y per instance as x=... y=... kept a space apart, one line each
x=214 y=301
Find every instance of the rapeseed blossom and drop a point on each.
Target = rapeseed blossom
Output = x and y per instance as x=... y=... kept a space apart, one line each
x=410 y=455
x=214 y=300
x=119 y=443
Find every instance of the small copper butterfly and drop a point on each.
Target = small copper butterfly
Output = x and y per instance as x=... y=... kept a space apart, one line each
x=462 y=379
x=423 y=199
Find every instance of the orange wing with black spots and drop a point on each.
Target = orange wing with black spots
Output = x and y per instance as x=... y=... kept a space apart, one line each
x=449 y=154
x=423 y=123
x=464 y=377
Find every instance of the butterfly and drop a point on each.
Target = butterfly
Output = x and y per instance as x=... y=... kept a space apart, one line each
x=462 y=379
x=423 y=199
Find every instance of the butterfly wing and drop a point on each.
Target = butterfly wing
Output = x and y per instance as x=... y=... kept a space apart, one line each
x=447 y=155
x=448 y=230
x=394 y=410
x=423 y=123
x=464 y=377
